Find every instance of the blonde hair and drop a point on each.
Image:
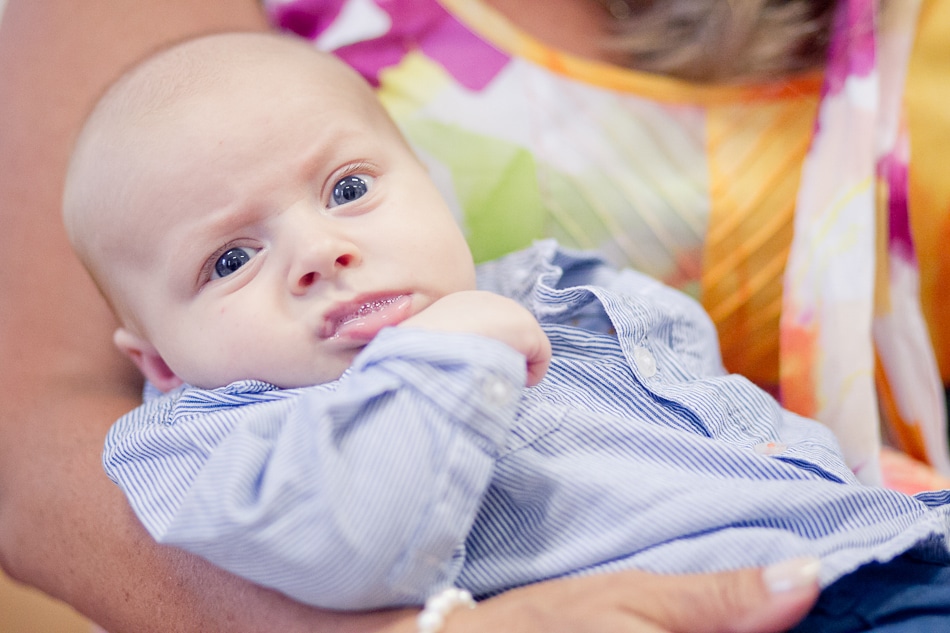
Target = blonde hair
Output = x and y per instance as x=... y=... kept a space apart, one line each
x=723 y=40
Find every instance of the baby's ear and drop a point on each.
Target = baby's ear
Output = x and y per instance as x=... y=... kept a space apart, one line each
x=147 y=359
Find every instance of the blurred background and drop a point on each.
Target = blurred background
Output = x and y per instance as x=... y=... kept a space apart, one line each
x=24 y=610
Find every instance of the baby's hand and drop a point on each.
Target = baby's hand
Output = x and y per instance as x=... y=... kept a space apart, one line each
x=494 y=316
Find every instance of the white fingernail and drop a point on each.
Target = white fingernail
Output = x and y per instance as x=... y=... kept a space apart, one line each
x=791 y=574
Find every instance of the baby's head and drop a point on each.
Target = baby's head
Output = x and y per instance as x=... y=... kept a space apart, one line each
x=251 y=212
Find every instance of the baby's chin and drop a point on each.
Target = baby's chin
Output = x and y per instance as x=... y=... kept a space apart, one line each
x=328 y=371
x=318 y=372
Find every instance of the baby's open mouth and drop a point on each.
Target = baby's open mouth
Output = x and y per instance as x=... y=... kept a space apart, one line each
x=365 y=320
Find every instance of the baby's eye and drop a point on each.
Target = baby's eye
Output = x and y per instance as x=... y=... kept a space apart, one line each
x=231 y=260
x=349 y=189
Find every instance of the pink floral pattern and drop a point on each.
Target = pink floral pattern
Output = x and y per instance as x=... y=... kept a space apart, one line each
x=837 y=303
x=415 y=24
x=892 y=169
x=852 y=47
x=306 y=18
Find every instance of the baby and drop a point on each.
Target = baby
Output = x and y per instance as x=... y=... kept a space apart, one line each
x=356 y=417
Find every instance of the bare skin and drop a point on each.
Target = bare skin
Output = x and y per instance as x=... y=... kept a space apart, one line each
x=64 y=527
x=573 y=26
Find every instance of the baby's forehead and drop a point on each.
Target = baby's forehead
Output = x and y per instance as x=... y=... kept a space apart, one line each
x=211 y=66
x=175 y=91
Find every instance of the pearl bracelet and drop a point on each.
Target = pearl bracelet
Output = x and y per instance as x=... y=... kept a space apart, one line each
x=440 y=605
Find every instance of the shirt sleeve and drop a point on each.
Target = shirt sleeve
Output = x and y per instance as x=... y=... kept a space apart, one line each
x=354 y=498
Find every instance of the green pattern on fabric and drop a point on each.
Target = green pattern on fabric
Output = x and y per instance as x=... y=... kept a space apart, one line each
x=500 y=218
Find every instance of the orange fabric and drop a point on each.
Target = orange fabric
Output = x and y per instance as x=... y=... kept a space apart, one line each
x=755 y=157
x=906 y=474
x=927 y=103
x=906 y=433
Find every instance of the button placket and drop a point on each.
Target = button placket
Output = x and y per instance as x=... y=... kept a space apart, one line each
x=645 y=362
x=495 y=391
x=770 y=448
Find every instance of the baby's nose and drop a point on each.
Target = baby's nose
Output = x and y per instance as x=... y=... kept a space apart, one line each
x=325 y=258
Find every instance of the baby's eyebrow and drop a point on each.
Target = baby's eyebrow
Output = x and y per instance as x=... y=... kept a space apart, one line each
x=226 y=221
x=210 y=233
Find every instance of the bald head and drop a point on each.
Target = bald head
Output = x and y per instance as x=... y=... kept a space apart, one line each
x=170 y=97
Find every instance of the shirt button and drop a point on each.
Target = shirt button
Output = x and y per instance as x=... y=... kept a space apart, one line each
x=496 y=391
x=770 y=448
x=645 y=361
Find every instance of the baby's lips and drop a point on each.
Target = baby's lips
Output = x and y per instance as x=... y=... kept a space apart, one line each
x=364 y=321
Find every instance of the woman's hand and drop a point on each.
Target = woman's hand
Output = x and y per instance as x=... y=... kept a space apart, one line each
x=746 y=601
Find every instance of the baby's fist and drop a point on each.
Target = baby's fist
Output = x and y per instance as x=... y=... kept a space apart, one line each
x=494 y=316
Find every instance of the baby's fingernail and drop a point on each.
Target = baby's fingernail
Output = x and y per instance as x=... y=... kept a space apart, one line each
x=791 y=574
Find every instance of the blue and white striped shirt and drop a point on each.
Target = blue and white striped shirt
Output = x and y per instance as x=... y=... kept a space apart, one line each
x=427 y=464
